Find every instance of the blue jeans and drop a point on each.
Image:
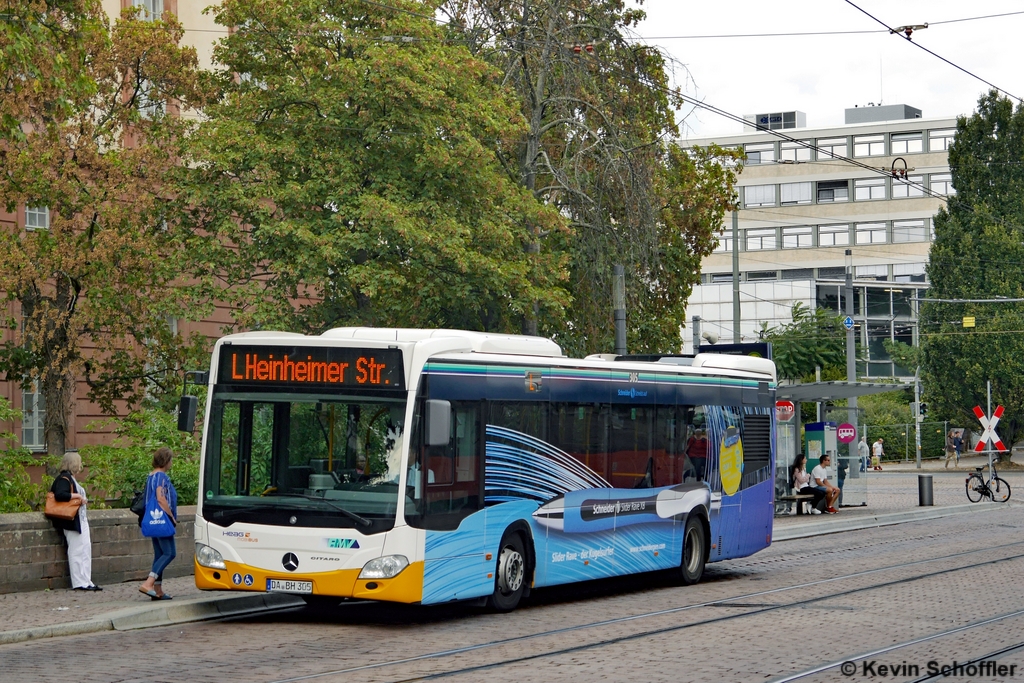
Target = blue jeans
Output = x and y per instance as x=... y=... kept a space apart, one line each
x=163 y=552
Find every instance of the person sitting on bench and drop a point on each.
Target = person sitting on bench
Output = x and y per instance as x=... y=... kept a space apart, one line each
x=800 y=482
x=820 y=476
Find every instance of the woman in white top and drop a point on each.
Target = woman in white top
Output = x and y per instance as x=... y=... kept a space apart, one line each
x=800 y=482
x=65 y=488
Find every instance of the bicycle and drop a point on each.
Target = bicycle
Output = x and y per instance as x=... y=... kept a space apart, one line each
x=995 y=488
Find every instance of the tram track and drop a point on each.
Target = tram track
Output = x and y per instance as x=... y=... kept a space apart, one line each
x=724 y=602
x=916 y=641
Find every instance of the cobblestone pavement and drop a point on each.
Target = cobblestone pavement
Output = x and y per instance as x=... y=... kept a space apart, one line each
x=45 y=608
x=789 y=609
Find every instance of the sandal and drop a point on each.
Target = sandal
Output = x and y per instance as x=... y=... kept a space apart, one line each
x=151 y=593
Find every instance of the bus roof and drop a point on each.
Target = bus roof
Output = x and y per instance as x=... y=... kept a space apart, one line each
x=514 y=345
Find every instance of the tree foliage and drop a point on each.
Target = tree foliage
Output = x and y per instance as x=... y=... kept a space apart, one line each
x=86 y=132
x=600 y=112
x=978 y=253
x=352 y=169
x=815 y=338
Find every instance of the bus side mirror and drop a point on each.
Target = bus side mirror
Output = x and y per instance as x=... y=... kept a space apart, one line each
x=439 y=422
x=187 y=407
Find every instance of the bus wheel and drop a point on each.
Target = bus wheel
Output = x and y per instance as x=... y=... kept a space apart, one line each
x=510 y=575
x=694 y=551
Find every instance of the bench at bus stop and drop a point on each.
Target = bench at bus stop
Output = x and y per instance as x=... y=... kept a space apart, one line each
x=798 y=498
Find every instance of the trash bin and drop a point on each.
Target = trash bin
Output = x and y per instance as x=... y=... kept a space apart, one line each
x=924 y=490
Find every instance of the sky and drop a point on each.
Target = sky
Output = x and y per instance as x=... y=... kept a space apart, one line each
x=823 y=75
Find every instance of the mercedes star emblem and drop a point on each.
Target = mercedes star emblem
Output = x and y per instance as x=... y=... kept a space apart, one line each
x=290 y=562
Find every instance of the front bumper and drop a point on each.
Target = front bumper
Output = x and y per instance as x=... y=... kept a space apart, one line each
x=407 y=587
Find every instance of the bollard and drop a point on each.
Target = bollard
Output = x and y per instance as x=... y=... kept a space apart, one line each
x=924 y=490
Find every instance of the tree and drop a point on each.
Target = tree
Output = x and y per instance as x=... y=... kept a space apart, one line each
x=978 y=253
x=351 y=170
x=816 y=338
x=88 y=136
x=599 y=113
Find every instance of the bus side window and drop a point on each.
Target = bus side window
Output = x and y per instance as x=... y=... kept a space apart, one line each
x=629 y=445
x=451 y=488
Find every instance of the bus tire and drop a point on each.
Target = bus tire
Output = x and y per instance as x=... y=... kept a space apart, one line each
x=695 y=551
x=509 y=574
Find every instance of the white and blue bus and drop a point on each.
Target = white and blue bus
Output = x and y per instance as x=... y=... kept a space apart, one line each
x=427 y=466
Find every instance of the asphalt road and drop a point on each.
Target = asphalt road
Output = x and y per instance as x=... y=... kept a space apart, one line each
x=919 y=595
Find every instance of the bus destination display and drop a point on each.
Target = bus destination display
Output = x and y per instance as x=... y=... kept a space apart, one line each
x=311 y=366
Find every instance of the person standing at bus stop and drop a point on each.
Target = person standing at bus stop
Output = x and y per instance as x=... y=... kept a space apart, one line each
x=159 y=522
x=864 y=453
x=877 y=451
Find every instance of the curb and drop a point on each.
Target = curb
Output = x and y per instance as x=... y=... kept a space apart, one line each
x=796 y=531
x=198 y=609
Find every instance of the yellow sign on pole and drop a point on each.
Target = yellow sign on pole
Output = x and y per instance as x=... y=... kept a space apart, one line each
x=968 y=321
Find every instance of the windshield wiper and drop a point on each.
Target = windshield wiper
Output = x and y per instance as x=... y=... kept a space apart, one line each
x=351 y=515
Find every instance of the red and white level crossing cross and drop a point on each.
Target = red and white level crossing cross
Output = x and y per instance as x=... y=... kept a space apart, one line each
x=988 y=425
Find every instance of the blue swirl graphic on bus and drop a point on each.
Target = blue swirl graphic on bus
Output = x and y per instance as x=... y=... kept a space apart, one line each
x=519 y=466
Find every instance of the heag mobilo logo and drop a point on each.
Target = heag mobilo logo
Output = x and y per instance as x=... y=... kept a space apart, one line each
x=242 y=536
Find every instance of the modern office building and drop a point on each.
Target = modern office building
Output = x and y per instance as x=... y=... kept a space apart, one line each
x=802 y=208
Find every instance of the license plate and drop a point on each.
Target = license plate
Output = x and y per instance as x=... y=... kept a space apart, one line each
x=287 y=586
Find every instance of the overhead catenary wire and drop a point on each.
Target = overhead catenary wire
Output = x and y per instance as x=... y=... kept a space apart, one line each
x=934 y=54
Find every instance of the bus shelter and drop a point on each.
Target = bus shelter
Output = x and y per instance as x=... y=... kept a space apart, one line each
x=817 y=438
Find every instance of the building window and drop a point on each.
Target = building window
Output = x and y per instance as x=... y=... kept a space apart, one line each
x=37 y=218
x=151 y=9
x=762 y=239
x=762 y=275
x=942 y=183
x=33 y=409
x=759 y=195
x=795 y=151
x=906 y=143
x=880 y=273
x=724 y=241
x=830 y=191
x=868 y=145
x=760 y=154
x=870 y=233
x=149 y=102
x=869 y=188
x=795 y=193
x=909 y=272
x=831 y=148
x=911 y=186
x=721 y=277
x=832 y=273
x=797 y=237
x=833 y=235
x=798 y=274
x=940 y=140
x=910 y=231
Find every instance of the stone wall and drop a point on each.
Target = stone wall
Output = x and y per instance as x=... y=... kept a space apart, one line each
x=33 y=555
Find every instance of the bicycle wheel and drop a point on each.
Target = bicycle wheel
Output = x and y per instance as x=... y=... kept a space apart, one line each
x=975 y=487
x=999 y=490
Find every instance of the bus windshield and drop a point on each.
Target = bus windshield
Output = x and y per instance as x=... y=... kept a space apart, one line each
x=303 y=460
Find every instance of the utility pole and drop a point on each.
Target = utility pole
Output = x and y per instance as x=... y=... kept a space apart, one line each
x=619 y=304
x=735 y=276
x=851 y=350
x=917 y=417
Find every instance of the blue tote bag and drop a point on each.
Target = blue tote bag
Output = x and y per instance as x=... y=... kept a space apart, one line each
x=155 y=522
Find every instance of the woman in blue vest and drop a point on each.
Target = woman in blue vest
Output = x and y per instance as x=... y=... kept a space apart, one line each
x=159 y=521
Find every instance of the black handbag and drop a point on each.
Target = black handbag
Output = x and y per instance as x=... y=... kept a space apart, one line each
x=138 y=505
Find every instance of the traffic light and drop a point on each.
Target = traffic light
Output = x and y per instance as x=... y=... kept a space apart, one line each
x=924 y=409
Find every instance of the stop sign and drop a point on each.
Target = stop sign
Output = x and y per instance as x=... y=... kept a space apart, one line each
x=784 y=411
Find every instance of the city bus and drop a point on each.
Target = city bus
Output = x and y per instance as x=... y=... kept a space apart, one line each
x=429 y=466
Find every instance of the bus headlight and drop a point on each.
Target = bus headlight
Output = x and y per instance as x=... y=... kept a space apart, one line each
x=208 y=557
x=386 y=567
